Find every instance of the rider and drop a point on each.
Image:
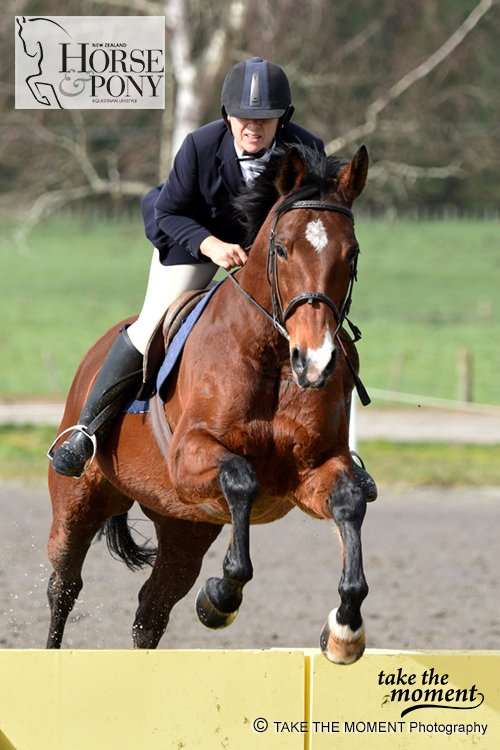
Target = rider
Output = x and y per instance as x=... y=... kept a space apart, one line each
x=193 y=226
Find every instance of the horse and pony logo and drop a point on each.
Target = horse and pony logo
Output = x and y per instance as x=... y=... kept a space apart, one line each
x=40 y=66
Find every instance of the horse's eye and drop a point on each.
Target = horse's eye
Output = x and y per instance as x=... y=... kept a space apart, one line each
x=353 y=253
x=280 y=249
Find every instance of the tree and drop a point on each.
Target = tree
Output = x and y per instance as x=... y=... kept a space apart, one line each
x=428 y=70
x=399 y=171
x=197 y=42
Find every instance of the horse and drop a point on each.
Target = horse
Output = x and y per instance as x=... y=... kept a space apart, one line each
x=256 y=408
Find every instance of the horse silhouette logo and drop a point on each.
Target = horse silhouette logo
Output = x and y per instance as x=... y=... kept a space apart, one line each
x=40 y=65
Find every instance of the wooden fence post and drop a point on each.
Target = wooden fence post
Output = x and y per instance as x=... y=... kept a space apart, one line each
x=464 y=369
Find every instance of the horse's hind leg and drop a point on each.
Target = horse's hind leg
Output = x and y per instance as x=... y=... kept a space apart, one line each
x=343 y=637
x=181 y=548
x=77 y=519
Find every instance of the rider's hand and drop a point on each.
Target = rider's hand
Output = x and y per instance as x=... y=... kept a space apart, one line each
x=223 y=253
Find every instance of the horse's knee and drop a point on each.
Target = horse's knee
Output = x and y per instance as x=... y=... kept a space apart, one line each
x=238 y=479
x=347 y=502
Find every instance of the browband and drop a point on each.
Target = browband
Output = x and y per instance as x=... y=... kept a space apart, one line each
x=324 y=206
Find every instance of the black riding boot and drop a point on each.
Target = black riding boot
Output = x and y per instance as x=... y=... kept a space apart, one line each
x=361 y=477
x=120 y=370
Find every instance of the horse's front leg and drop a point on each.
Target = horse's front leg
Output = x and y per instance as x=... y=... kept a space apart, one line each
x=201 y=469
x=219 y=599
x=343 y=638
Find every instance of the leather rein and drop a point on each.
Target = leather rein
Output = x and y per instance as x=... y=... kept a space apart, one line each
x=279 y=315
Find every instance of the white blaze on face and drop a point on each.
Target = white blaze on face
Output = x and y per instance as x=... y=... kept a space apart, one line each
x=319 y=358
x=316 y=234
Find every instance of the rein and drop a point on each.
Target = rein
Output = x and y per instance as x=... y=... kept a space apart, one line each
x=280 y=315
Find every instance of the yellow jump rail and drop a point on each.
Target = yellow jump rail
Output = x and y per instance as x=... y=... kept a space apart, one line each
x=247 y=700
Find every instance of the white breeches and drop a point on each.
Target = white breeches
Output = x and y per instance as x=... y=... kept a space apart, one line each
x=165 y=284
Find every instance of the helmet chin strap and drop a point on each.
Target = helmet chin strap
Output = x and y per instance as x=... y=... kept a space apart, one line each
x=224 y=117
x=284 y=119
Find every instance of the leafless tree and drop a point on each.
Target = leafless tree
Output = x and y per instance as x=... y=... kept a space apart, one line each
x=384 y=171
x=194 y=70
x=337 y=60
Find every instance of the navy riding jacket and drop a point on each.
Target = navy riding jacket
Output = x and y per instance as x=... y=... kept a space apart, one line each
x=195 y=201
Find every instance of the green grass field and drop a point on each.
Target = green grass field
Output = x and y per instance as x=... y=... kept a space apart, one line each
x=23 y=449
x=425 y=291
x=75 y=282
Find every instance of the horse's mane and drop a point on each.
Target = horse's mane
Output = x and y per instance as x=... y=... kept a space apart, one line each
x=258 y=197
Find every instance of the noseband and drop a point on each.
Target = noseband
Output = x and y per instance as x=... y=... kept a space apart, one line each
x=280 y=315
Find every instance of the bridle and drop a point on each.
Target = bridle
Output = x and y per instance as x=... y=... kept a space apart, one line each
x=279 y=315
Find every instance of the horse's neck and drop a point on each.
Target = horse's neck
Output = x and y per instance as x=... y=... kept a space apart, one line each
x=253 y=275
x=264 y=337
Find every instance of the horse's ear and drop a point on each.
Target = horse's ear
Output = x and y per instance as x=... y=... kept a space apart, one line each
x=352 y=179
x=292 y=172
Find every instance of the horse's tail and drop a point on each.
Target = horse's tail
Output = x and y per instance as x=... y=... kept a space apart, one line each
x=122 y=546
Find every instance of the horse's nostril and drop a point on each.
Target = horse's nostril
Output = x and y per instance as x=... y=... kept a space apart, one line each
x=297 y=359
x=331 y=365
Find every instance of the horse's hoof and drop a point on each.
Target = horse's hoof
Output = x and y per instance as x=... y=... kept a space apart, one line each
x=339 y=643
x=209 y=615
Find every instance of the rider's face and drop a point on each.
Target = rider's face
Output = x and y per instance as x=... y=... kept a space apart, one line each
x=252 y=135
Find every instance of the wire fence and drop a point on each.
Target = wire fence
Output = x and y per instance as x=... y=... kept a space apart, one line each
x=430 y=402
x=130 y=210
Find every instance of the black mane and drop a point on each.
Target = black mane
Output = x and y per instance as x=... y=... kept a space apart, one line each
x=258 y=197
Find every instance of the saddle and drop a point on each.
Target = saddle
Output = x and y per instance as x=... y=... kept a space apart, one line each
x=164 y=332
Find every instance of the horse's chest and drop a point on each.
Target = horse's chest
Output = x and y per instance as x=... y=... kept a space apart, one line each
x=282 y=437
x=277 y=423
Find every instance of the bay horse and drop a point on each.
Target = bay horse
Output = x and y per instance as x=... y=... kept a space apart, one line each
x=256 y=406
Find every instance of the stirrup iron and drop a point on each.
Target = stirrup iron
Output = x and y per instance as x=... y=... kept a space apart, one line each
x=363 y=479
x=76 y=428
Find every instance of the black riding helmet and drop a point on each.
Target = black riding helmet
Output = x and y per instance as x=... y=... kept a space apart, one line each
x=258 y=90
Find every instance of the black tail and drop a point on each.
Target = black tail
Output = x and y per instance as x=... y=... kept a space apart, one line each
x=122 y=545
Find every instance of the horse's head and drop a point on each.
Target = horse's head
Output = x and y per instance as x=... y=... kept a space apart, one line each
x=23 y=29
x=312 y=258
x=33 y=31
